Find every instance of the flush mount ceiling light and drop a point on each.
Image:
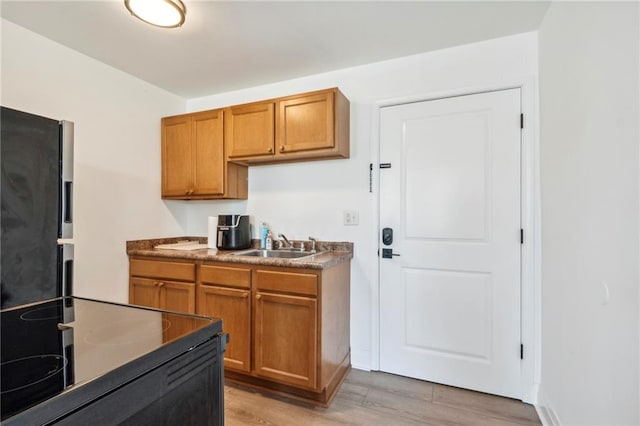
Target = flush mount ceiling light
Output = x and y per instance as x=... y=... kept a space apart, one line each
x=161 y=13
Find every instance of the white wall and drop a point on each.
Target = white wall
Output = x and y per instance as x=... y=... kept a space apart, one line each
x=589 y=102
x=117 y=154
x=306 y=199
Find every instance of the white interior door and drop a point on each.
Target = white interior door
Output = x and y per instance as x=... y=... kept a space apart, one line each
x=450 y=295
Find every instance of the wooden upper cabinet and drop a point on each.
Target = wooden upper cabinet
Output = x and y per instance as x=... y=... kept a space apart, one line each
x=312 y=126
x=193 y=160
x=249 y=130
x=305 y=127
x=306 y=123
x=205 y=154
x=208 y=152
x=177 y=174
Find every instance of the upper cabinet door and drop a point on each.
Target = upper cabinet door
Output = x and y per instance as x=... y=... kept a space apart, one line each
x=249 y=130
x=193 y=159
x=208 y=152
x=306 y=123
x=177 y=154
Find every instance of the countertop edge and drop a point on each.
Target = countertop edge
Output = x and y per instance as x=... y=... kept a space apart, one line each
x=330 y=254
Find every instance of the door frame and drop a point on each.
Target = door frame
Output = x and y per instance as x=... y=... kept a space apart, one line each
x=530 y=302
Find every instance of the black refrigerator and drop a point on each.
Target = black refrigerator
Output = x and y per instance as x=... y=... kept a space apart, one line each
x=36 y=188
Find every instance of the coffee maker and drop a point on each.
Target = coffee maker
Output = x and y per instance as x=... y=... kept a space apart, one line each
x=234 y=232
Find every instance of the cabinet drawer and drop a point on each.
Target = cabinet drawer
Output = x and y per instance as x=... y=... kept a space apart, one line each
x=286 y=282
x=232 y=277
x=161 y=269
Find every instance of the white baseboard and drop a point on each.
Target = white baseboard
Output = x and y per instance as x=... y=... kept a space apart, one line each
x=545 y=410
x=361 y=359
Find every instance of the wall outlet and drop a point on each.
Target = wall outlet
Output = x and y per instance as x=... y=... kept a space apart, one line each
x=350 y=217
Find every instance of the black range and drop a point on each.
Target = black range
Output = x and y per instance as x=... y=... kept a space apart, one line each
x=73 y=361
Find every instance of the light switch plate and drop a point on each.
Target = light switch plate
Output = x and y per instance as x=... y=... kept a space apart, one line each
x=350 y=217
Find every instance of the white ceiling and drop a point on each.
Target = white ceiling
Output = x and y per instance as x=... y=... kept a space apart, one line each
x=226 y=46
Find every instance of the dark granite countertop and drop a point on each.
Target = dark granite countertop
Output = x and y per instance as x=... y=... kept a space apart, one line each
x=328 y=253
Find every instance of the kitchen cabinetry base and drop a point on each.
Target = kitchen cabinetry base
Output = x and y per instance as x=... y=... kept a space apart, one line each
x=322 y=398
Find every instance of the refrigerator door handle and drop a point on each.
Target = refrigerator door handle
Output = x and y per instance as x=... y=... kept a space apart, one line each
x=67 y=208
x=66 y=202
x=67 y=270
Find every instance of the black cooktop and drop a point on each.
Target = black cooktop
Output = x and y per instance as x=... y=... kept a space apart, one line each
x=52 y=349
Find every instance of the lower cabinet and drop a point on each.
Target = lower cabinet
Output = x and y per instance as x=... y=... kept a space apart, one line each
x=288 y=327
x=286 y=323
x=162 y=294
x=285 y=344
x=154 y=284
x=179 y=297
x=225 y=293
x=144 y=292
x=162 y=285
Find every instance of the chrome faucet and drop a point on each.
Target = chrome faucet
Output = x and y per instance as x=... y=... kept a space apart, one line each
x=289 y=245
x=313 y=244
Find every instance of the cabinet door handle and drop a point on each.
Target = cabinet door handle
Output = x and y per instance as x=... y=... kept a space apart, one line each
x=270 y=150
x=245 y=295
x=160 y=284
x=258 y=297
x=282 y=148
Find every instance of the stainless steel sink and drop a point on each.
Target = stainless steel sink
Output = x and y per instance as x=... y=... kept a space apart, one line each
x=280 y=254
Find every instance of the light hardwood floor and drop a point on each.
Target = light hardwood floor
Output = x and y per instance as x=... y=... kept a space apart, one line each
x=374 y=398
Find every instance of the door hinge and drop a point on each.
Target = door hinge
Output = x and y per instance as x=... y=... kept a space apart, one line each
x=522 y=121
x=521 y=236
x=385 y=165
x=521 y=351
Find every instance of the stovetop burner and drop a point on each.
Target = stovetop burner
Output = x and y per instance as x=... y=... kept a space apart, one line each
x=34 y=370
x=41 y=314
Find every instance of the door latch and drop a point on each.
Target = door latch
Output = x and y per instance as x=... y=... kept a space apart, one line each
x=388 y=253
